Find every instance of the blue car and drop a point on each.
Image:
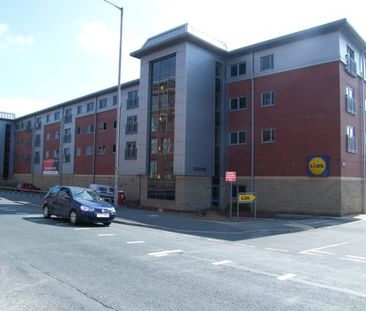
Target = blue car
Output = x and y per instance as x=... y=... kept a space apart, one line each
x=78 y=205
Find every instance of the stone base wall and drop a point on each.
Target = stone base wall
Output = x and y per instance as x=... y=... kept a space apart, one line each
x=331 y=196
x=191 y=194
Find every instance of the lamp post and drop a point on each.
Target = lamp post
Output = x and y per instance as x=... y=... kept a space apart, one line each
x=118 y=128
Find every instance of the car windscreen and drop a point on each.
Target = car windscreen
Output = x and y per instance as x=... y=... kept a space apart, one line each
x=84 y=194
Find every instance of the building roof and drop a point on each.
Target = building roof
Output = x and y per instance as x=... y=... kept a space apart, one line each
x=82 y=98
x=339 y=25
x=188 y=33
x=178 y=34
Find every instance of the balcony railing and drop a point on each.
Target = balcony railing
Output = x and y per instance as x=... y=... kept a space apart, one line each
x=131 y=154
x=132 y=103
x=351 y=67
x=351 y=104
x=67 y=138
x=131 y=128
x=351 y=144
x=68 y=118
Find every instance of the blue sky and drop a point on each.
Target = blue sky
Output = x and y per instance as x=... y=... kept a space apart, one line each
x=55 y=51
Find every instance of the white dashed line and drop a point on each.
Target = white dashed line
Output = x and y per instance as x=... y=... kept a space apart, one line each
x=246 y=245
x=276 y=250
x=286 y=277
x=166 y=253
x=217 y=263
x=106 y=234
x=79 y=229
x=135 y=242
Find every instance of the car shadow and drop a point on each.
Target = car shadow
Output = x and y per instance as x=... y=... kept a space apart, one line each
x=60 y=222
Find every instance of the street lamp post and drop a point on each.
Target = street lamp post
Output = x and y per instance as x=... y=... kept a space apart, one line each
x=118 y=128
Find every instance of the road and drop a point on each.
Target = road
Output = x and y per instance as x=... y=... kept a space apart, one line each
x=50 y=265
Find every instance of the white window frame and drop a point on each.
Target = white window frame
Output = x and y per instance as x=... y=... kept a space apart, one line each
x=237 y=103
x=263 y=58
x=272 y=133
x=272 y=98
x=237 y=133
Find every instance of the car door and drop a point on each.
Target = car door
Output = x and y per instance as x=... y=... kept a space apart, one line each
x=64 y=201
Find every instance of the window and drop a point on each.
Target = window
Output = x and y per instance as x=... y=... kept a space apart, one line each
x=56 y=153
x=101 y=149
x=80 y=109
x=102 y=103
x=57 y=115
x=115 y=124
x=102 y=126
x=48 y=136
x=68 y=112
x=351 y=139
x=166 y=145
x=48 y=118
x=115 y=100
x=67 y=155
x=239 y=137
x=268 y=136
x=78 y=130
x=237 y=189
x=114 y=148
x=89 y=150
x=132 y=100
x=234 y=70
x=37 y=141
x=154 y=146
x=350 y=100
x=57 y=135
x=268 y=98
x=130 y=151
x=131 y=125
x=78 y=151
x=351 y=66
x=238 y=103
x=47 y=154
x=90 y=107
x=37 y=157
x=90 y=129
x=67 y=135
x=238 y=69
x=266 y=62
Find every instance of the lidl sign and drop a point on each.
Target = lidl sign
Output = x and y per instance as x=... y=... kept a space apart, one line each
x=318 y=165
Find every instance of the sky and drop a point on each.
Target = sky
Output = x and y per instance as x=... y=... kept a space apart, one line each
x=54 y=51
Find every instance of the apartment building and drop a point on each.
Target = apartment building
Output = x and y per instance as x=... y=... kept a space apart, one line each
x=287 y=115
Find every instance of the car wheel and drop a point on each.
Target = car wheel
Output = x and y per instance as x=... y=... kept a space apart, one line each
x=106 y=224
x=46 y=212
x=73 y=217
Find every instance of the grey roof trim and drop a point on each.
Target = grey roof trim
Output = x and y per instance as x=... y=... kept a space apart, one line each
x=180 y=37
x=301 y=35
x=82 y=98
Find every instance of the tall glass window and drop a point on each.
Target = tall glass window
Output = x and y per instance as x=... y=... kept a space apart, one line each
x=161 y=183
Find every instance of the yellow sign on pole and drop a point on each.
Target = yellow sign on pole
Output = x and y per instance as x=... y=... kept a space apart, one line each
x=246 y=197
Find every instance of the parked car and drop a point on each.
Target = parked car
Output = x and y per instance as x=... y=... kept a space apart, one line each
x=106 y=192
x=77 y=205
x=27 y=186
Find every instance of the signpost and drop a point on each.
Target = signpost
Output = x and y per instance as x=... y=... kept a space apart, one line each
x=231 y=177
x=245 y=197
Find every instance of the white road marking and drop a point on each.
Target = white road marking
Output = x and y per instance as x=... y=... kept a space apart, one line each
x=214 y=240
x=166 y=253
x=106 y=234
x=318 y=249
x=246 y=245
x=276 y=249
x=223 y=262
x=152 y=215
x=354 y=258
x=135 y=242
x=78 y=229
x=286 y=277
